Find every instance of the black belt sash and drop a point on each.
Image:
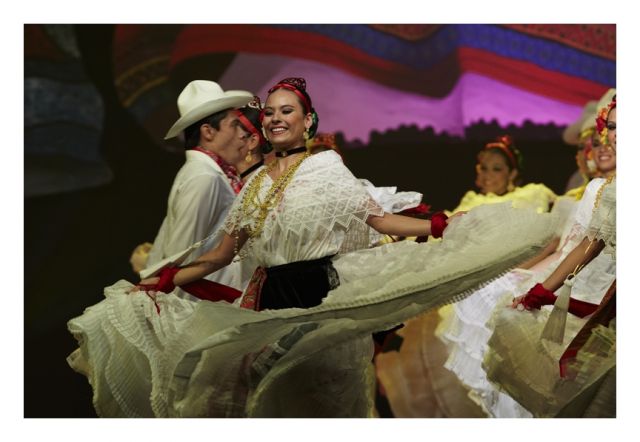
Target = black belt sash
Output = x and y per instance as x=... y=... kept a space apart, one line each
x=301 y=284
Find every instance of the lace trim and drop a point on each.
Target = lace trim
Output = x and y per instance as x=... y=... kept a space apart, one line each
x=603 y=223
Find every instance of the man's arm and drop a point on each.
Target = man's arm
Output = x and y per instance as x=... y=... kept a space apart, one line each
x=200 y=204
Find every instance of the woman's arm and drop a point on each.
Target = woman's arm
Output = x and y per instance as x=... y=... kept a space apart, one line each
x=399 y=225
x=548 y=250
x=582 y=254
x=209 y=262
x=542 y=294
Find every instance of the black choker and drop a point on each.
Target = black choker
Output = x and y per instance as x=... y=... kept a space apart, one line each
x=286 y=153
x=251 y=169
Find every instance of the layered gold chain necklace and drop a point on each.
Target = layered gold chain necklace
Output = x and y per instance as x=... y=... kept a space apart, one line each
x=252 y=206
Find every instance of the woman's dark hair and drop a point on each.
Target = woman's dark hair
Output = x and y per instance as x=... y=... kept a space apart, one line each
x=504 y=146
x=299 y=87
x=253 y=115
x=192 y=133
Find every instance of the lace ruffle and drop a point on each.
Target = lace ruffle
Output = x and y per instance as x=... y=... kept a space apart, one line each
x=390 y=199
x=526 y=367
x=129 y=350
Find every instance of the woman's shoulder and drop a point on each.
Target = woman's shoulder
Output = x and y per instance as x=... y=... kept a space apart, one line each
x=327 y=157
x=586 y=204
x=595 y=184
x=591 y=190
x=470 y=200
x=471 y=195
x=323 y=161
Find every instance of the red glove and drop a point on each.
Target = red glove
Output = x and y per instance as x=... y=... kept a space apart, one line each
x=438 y=224
x=166 y=275
x=201 y=288
x=539 y=296
x=581 y=308
x=165 y=284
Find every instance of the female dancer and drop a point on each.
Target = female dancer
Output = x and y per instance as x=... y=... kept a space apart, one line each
x=301 y=345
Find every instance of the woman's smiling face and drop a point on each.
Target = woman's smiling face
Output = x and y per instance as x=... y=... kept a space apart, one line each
x=605 y=154
x=493 y=174
x=284 y=120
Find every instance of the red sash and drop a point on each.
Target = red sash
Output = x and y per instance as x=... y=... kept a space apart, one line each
x=251 y=298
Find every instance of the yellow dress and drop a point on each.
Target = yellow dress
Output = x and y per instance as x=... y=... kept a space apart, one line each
x=532 y=195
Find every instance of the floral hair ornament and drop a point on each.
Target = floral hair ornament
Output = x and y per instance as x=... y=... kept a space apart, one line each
x=298 y=86
x=325 y=139
x=603 y=114
x=248 y=125
x=588 y=152
x=255 y=103
x=505 y=144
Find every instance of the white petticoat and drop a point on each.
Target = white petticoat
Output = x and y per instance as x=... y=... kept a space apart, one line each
x=465 y=331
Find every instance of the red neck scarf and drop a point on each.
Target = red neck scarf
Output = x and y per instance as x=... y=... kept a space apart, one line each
x=228 y=169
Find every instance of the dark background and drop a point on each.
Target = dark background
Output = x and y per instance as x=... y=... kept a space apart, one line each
x=78 y=242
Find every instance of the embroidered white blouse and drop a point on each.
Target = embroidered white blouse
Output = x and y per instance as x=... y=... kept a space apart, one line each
x=323 y=211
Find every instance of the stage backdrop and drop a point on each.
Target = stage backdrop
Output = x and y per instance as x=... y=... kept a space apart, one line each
x=368 y=78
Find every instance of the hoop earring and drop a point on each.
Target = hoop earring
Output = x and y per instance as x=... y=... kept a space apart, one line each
x=249 y=157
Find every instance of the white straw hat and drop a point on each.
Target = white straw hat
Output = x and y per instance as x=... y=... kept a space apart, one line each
x=201 y=98
x=571 y=134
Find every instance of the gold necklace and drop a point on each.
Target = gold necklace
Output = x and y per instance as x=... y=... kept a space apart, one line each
x=252 y=206
x=600 y=190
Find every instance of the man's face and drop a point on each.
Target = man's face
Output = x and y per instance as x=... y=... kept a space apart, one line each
x=229 y=139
